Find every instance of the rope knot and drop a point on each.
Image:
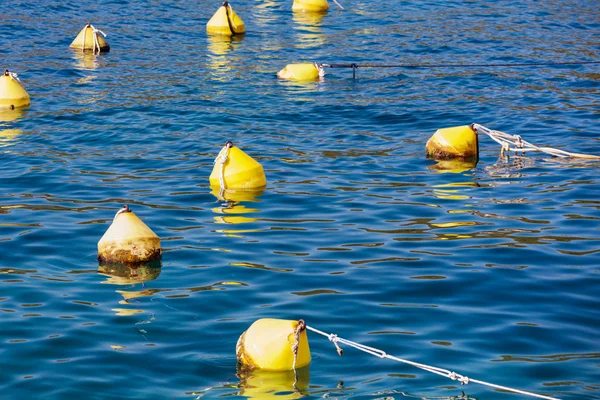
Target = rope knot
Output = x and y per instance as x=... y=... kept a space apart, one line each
x=464 y=380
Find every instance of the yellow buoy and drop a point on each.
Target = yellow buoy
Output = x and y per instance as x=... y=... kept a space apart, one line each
x=89 y=39
x=269 y=344
x=310 y=5
x=302 y=72
x=225 y=22
x=235 y=169
x=12 y=93
x=128 y=240
x=455 y=142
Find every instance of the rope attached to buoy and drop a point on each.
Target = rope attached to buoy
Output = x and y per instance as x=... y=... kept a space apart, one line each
x=464 y=380
x=517 y=144
x=355 y=66
x=222 y=159
x=95 y=32
x=12 y=75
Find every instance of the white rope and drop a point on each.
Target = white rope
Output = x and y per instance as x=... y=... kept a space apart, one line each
x=124 y=209
x=222 y=159
x=14 y=76
x=519 y=145
x=339 y=5
x=321 y=70
x=335 y=339
x=95 y=35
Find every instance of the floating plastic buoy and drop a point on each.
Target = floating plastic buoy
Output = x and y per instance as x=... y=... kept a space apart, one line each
x=269 y=345
x=455 y=142
x=225 y=22
x=310 y=5
x=12 y=93
x=128 y=240
x=89 y=40
x=302 y=72
x=235 y=169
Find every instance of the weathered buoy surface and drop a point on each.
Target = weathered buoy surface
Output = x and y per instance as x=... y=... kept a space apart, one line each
x=269 y=345
x=12 y=92
x=310 y=5
x=90 y=39
x=301 y=72
x=455 y=142
x=225 y=22
x=235 y=169
x=128 y=240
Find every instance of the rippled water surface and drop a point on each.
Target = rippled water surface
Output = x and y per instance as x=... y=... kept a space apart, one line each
x=492 y=271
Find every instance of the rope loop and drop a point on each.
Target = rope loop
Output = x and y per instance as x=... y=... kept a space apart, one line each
x=124 y=209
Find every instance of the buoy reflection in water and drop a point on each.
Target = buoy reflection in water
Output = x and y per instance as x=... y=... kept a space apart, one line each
x=128 y=274
x=455 y=166
x=258 y=384
x=308 y=27
x=8 y=136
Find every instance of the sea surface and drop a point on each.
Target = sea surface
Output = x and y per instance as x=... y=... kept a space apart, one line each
x=489 y=270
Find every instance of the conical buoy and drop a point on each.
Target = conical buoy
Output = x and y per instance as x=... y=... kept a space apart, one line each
x=302 y=72
x=225 y=22
x=310 y=5
x=12 y=93
x=128 y=240
x=269 y=344
x=455 y=142
x=235 y=169
x=90 y=40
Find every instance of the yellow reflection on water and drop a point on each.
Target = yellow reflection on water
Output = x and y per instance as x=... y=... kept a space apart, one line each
x=231 y=210
x=258 y=384
x=309 y=29
x=8 y=136
x=453 y=166
x=85 y=61
x=219 y=59
x=129 y=274
x=7 y=115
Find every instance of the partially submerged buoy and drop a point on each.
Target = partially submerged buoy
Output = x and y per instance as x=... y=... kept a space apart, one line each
x=128 y=240
x=90 y=39
x=310 y=5
x=225 y=22
x=274 y=345
x=302 y=72
x=12 y=92
x=454 y=142
x=235 y=169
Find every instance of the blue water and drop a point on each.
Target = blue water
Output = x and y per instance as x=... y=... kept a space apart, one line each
x=491 y=271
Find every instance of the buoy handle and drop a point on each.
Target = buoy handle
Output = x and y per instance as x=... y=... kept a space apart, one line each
x=6 y=73
x=229 y=144
x=124 y=209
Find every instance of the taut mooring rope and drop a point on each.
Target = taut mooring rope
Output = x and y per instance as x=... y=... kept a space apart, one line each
x=482 y=65
x=335 y=339
x=520 y=145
